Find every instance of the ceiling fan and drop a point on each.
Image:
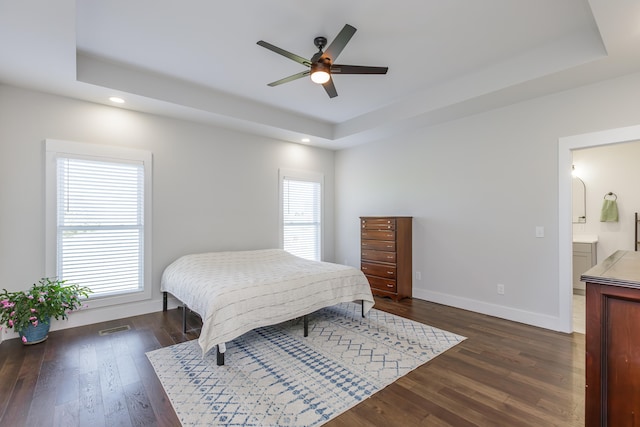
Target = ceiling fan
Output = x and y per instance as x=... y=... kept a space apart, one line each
x=321 y=65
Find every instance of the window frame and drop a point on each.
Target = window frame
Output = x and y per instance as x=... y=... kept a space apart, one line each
x=300 y=175
x=57 y=148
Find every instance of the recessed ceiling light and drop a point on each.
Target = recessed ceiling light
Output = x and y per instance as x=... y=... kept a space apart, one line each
x=306 y=140
x=117 y=100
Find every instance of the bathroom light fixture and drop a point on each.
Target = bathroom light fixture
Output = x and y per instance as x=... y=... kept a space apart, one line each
x=305 y=140
x=574 y=172
x=117 y=100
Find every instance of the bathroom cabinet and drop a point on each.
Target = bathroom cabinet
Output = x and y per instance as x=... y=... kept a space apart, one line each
x=585 y=256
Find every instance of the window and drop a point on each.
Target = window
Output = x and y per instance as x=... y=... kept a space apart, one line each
x=301 y=207
x=98 y=218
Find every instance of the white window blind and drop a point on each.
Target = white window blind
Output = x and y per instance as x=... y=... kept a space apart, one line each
x=301 y=207
x=100 y=224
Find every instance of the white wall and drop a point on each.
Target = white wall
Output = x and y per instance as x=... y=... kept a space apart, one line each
x=477 y=188
x=212 y=189
x=611 y=168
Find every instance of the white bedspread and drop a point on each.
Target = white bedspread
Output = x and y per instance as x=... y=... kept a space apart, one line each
x=235 y=292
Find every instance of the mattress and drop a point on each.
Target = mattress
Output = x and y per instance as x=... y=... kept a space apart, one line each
x=235 y=292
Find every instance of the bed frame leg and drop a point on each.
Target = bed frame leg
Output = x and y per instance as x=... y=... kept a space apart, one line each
x=164 y=301
x=184 y=318
x=362 y=308
x=305 y=320
x=219 y=357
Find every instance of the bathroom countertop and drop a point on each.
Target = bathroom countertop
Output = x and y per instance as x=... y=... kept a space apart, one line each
x=585 y=238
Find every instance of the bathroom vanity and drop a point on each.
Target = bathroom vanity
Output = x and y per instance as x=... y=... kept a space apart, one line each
x=585 y=256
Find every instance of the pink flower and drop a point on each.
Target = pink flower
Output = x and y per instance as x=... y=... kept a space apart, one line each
x=30 y=297
x=13 y=313
x=33 y=310
x=33 y=318
x=35 y=323
x=24 y=339
x=10 y=323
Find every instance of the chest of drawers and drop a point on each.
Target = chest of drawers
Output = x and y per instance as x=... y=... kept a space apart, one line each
x=385 y=255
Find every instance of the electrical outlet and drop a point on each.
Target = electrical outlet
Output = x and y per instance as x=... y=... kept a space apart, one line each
x=500 y=289
x=418 y=275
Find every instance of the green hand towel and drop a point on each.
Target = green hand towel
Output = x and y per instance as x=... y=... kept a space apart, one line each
x=609 y=211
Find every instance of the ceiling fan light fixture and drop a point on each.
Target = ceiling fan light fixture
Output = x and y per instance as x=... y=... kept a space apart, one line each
x=320 y=73
x=320 y=77
x=322 y=64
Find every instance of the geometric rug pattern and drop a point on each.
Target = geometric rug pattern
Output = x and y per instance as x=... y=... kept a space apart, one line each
x=274 y=376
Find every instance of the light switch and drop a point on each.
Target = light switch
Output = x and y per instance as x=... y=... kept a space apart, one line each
x=539 y=231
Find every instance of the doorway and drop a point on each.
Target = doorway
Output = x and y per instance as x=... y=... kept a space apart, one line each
x=566 y=147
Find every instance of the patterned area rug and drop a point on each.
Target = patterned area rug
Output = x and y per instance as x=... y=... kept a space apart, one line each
x=274 y=376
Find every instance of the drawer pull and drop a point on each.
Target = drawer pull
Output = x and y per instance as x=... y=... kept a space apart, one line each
x=389 y=285
x=389 y=272
x=364 y=268
x=390 y=256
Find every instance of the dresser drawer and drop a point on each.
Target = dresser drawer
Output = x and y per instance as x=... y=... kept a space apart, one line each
x=378 y=234
x=378 y=245
x=378 y=223
x=380 y=270
x=379 y=256
x=382 y=284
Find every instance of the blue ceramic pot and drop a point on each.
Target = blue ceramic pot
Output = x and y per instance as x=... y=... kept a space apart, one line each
x=35 y=334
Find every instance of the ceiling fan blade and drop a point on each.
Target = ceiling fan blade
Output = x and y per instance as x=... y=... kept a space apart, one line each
x=285 y=53
x=341 y=40
x=357 y=69
x=330 y=88
x=290 y=78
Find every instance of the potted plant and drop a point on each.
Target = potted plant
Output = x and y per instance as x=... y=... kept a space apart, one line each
x=30 y=312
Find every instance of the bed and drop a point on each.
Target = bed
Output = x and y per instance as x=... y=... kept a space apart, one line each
x=235 y=292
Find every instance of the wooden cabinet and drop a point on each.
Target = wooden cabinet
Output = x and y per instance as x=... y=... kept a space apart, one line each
x=636 y=235
x=613 y=341
x=385 y=256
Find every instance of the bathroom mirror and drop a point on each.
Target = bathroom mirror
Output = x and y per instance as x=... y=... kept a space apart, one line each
x=579 y=197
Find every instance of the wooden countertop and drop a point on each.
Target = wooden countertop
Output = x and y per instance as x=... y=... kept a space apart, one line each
x=620 y=269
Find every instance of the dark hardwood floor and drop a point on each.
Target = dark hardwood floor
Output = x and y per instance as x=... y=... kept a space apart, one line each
x=504 y=374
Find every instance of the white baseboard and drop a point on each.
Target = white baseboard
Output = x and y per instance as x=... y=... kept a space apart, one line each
x=101 y=314
x=508 y=313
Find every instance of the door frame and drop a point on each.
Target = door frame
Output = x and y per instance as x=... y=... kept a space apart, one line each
x=566 y=145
